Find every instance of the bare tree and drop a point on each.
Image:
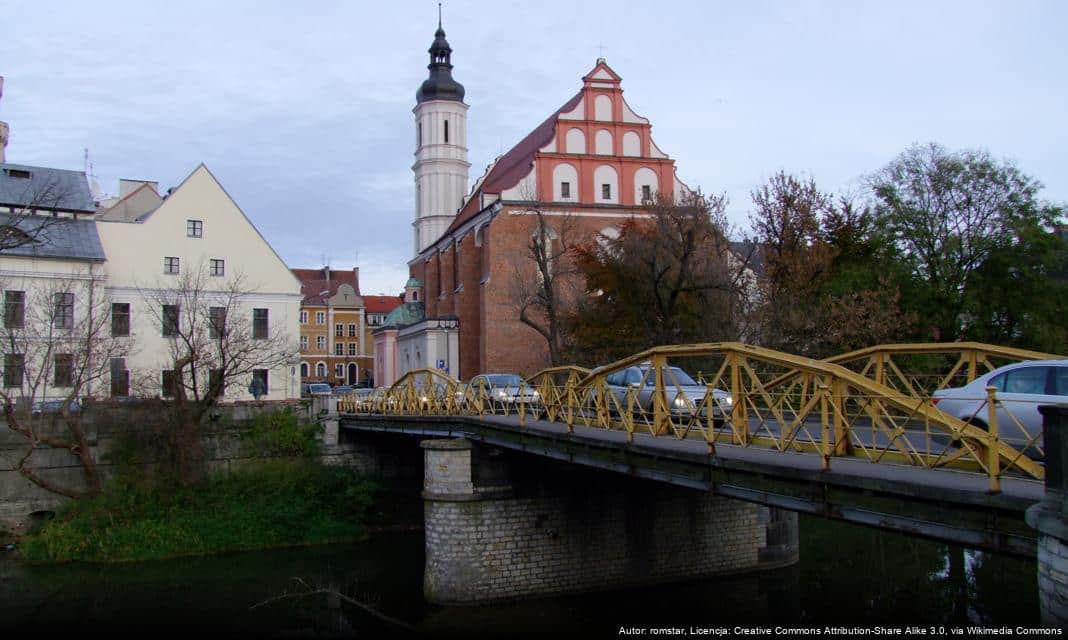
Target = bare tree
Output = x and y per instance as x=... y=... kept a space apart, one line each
x=214 y=341
x=58 y=349
x=543 y=282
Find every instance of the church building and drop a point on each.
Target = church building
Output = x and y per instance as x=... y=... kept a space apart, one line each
x=589 y=166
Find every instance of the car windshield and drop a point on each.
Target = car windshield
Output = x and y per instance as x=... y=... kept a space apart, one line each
x=680 y=376
x=504 y=380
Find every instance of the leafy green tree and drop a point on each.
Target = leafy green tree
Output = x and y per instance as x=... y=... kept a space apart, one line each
x=952 y=215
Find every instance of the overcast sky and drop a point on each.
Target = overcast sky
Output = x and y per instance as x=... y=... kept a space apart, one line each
x=303 y=110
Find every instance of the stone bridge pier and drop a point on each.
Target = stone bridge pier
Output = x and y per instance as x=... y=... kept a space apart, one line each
x=1050 y=518
x=500 y=525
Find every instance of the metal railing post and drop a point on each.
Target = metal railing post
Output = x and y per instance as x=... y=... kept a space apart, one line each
x=993 y=455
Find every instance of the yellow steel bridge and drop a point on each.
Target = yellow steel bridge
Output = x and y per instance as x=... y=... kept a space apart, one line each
x=873 y=404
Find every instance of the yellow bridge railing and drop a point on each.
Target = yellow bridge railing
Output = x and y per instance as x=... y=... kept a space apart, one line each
x=863 y=404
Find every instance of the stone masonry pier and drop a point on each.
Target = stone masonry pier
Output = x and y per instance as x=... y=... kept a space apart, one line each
x=500 y=527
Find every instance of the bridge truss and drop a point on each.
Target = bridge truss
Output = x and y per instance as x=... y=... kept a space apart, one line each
x=872 y=404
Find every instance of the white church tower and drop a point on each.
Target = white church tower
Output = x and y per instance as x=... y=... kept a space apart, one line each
x=441 y=146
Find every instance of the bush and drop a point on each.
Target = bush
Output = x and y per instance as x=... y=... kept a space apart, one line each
x=270 y=504
x=280 y=434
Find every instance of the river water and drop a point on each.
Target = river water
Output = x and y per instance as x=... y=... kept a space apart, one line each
x=848 y=575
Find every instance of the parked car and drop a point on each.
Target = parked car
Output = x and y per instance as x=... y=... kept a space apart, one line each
x=506 y=390
x=1021 y=388
x=55 y=406
x=684 y=394
x=309 y=390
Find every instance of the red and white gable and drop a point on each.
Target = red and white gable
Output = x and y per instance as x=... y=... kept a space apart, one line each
x=593 y=151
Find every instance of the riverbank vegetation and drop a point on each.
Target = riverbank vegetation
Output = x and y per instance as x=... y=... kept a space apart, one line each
x=266 y=504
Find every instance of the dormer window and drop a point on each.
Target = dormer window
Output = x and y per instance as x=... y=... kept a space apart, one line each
x=194 y=228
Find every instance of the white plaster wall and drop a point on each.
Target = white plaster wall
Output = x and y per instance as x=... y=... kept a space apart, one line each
x=632 y=144
x=441 y=169
x=135 y=273
x=565 y=173
x=578 y=113
x=525 y=189
x=39 y=279
x=576 y=141
x=645 y=176
x=603 y=175
x=630 y=116
x=602 y=108
x=603 y=145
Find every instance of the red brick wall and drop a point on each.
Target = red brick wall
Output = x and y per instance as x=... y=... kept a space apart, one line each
x=492 y=339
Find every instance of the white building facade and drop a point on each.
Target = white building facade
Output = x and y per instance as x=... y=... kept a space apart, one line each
x=198 y=231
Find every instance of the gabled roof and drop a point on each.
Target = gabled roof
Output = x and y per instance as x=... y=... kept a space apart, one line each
x=45 y=188
x=511 y=167
x=74 y=239
x=382 y=304
x=133 y=206
x=317 y=288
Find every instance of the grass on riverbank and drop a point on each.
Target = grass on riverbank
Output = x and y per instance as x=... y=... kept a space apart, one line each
x=271 y=504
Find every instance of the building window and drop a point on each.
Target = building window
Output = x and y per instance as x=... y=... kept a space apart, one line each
x=647 y=193
x=446 y=132
x=216 y=382
x=169 y=383
x=339 y=370
x=303 y=369
x=415 y=296
x=259 y=324
x=13 y=366
x=339 y=330
x=320 y=317
x=304 y=343
x=320 y=370
x=14 y=309
x=320 y=343
x=352 y=330
x=64 y=370
x=120 y=319
x=170 y=320
x=419 y=142
x=352 y=348
x=120 y=378
x=261 y=375
x=606 y=192
x=194 y=228
x=170 y=265
x=304 y=317
x=218 y=267
x=64 y=318
x=565 y=189
x=339 y=349
x=217 y=322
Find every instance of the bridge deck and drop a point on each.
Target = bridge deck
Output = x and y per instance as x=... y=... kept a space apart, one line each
x=945 y=504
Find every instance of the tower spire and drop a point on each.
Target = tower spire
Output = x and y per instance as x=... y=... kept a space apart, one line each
x=439 y=15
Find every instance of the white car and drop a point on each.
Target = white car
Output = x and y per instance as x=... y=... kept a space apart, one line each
x=1021 y=389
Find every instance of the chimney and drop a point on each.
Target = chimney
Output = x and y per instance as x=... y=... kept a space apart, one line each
x=356 y=279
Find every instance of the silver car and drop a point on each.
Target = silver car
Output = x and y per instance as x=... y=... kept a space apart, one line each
x=1021 y=389
x=504 y=390
x=684 y=394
